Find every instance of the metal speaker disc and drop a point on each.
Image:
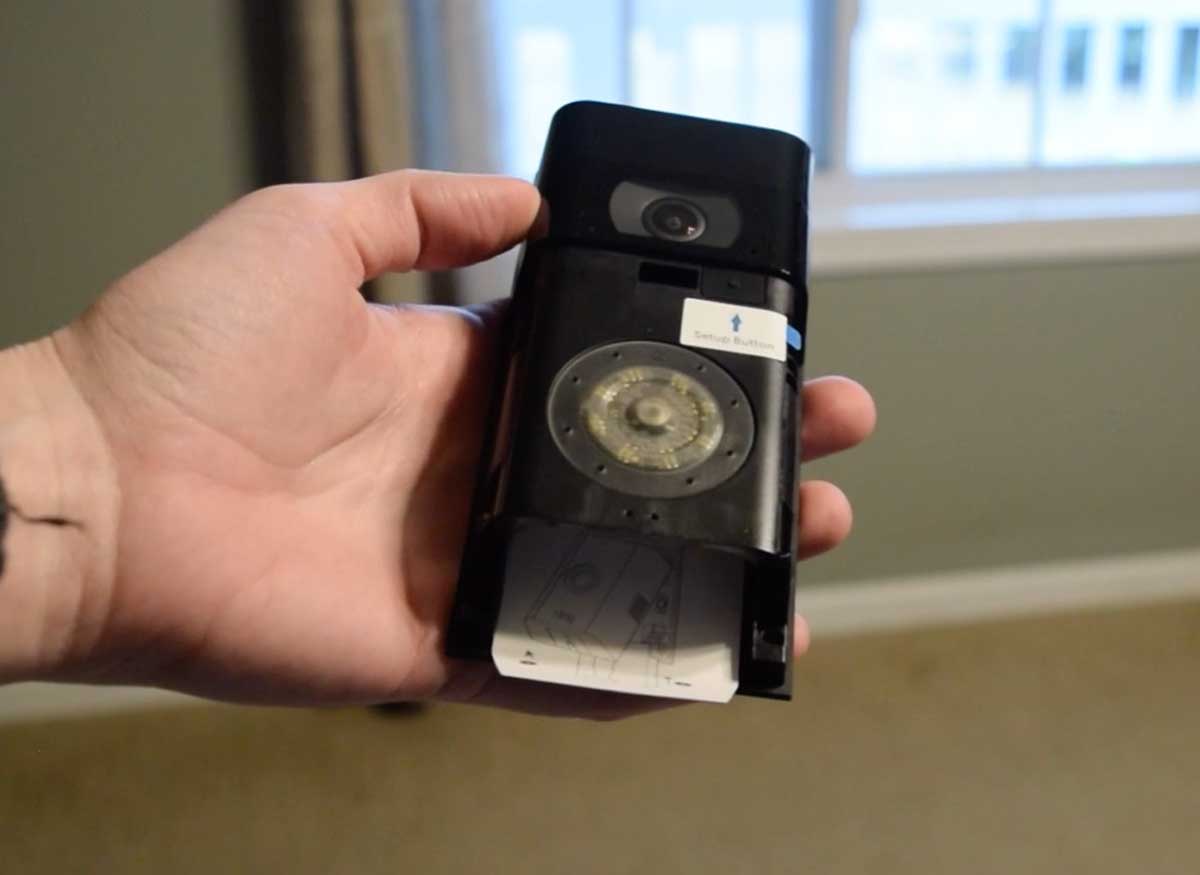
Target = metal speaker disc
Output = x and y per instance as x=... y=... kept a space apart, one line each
x=650 y=419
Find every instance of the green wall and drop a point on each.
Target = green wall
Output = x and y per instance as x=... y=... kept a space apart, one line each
x=1026 y=413
x=125 y=124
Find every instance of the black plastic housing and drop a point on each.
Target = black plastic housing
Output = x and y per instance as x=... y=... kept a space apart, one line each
x=584 y=284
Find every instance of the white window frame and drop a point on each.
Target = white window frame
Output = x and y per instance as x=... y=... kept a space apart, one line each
x=956 y=219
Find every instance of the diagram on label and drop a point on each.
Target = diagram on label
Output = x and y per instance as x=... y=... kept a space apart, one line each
x=608 y=598
x=618 y=613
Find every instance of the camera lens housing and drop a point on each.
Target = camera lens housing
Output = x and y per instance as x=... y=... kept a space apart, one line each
x=673 y=218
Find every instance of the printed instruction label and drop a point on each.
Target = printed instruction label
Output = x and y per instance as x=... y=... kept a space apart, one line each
x=598 y=610
x=734 y=328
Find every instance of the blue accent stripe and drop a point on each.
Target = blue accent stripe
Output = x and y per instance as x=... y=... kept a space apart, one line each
x=794 y=340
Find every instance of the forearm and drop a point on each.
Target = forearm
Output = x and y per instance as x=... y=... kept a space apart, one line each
x=63 y=508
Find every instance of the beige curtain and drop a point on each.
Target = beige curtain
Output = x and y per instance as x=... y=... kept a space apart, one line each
x=349 y=106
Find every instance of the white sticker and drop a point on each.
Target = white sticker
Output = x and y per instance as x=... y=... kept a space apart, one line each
x=611 y=613
x=733 y=328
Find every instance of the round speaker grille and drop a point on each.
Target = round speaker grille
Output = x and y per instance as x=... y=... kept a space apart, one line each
x=650 y=419
x=653 y=418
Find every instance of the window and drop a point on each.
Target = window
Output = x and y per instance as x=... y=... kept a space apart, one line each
x=1075 y=57
x=701 y=57
x=960 y=51
x=1187 y=67
x=930 y=94
x=1132 y=60
x=929 y=88
x=1020 y=54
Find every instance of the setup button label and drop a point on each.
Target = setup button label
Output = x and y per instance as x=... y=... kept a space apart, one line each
x=734 y=328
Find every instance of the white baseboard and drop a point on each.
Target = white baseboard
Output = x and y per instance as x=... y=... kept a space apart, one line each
x=36 y=701
x=999 y=593
x=831 y=610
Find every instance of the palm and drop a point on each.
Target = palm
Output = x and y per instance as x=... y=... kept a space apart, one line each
x=295 y=466
x=301 y=467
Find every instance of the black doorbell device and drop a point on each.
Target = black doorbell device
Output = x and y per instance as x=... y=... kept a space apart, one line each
x=646 y=408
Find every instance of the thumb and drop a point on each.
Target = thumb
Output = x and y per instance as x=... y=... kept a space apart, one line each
x=414 y=219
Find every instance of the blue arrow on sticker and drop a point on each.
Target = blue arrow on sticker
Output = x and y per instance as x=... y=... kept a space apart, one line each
x=736 y=321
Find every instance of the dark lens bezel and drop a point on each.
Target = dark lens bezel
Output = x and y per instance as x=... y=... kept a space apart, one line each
x=690 y=236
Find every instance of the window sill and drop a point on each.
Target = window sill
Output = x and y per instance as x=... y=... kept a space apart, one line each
x=856 y=236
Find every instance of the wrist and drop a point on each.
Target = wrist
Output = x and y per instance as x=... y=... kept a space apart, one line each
x=55 y=463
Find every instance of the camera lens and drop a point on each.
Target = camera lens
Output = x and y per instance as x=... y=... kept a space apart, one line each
x=674 y=219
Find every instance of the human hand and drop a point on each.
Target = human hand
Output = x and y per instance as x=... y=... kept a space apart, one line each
x=288 y=470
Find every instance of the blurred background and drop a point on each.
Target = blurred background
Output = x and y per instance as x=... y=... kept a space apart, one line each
x=1005 y=248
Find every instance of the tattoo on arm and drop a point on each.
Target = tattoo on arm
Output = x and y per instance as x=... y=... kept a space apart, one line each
x=8 y=509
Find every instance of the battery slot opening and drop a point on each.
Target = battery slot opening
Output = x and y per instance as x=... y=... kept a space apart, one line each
x=669 y=275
